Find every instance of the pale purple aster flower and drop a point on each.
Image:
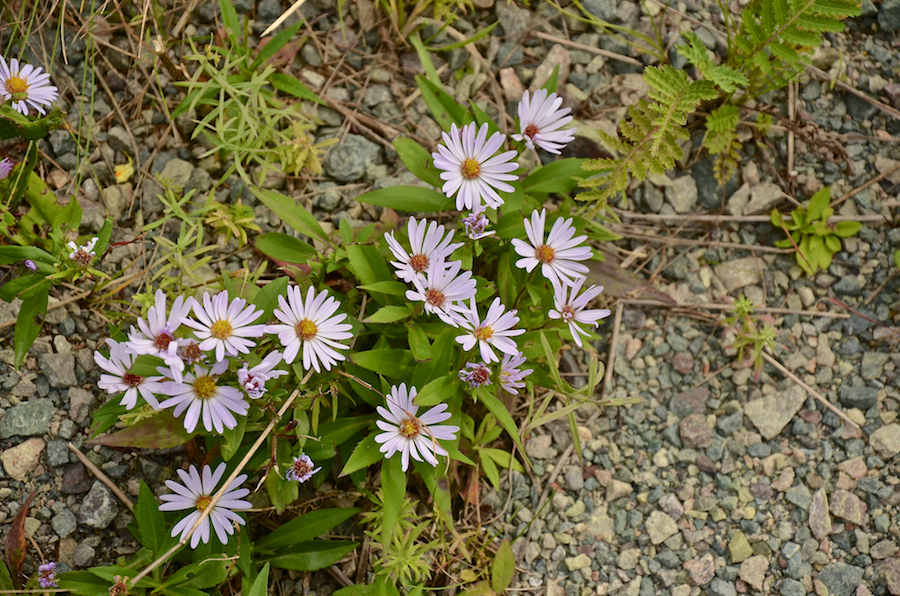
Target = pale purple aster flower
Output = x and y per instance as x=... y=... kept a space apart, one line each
x=156 y=335
x=496 y=329
x=189 y=351
x=47 y=575
x=302 y=469
x=223 y=326
x=411 y=435
x=539 y=120
x=119 y=378
x=199 y=394
x=313 y=325
x=196 y=493
x=254 y=380
x=558 y=255
x=443 y=289
x=476 y=374
x=425 y=247
x=571 y=309
x=6 y=167
x=82 y=255
x=476 y=225
x=24 y=85
x=511 y=376
x=469 y=168
x=31 y=264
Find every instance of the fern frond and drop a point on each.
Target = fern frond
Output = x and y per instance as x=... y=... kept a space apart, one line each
x=695 y=52
x=838 y=9
x=723 y=119
x=726 y=163
x=727 y=78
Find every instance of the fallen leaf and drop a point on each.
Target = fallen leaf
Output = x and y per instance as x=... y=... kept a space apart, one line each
x=16 y=544
x=124 y=171
x=620 y=283
x=161 y=431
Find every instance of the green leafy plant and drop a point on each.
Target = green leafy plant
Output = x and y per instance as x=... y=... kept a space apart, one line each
x=750 y=338
x=815 y=239
x=489 y=458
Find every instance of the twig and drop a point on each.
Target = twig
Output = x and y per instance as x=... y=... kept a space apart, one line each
x=296 y=5
x=215 y=499
x=101 y=476
x=740 y=218
x=613 y=344
x=809 y=390
x=852 y=91
x=880 y=288
x=792 y=114
x=337 y=574
x=859 y=189
x=586 y=48
x=713 y=306
x=687 y=242
x=68 y=300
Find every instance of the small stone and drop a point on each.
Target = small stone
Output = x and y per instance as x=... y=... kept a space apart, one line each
x=574 y=478
x=720 y=587
x=57 y=453
x=695 y=432
x=840 y=578
x=824 y=354
x=660 y=527
x=682 y=194
x=892 y=575
x=177 y=172
x=75 y=480
x=819 y=518
x=347 y=162
x=582 y=561
x=27 y=419
x=557 y=56
x=604 y=10
x=889 y=15
x=79 y=403
x=799 y=496
x=763 y=198
x=84 y=555
x=99 y=508
x=886 y=440
x=119 y=140
x=21 y=460
x=772 y=413
x=59 y=369
x=689 y=402
x=701 y=570
x=513 y=18
x=739 y=548
x=791 y=587
x=855 y=467
x=739 y=273
x=538 y=447
x=64 y=523
x=848 y=506
x=671 y=505
x=617 y=489
x=883 y=549
x=683 y=362
x=873 y=365
x=628 y=559
x=753 y=571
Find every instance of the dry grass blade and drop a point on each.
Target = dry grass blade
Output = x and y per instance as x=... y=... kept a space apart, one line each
x=101 y=476
x=284 y=16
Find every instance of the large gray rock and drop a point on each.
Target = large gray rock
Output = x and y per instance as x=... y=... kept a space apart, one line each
x=739 y=273
x=178 y=172
x=99 y=507
x=59 y=369
x=772 y=413
x=841 y=579
x=27 y=419
x=682 y=194
x=886 y=440
x=889 y=15
x=347 y=162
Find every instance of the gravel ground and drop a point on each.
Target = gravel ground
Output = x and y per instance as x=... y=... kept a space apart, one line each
x=716 y=483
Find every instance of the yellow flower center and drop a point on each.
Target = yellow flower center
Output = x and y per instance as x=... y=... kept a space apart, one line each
x=410 y=428
x=205 y=387
x=483 y=333
x=471 y=169
x=306 y=329
x=221 y=329
x=203 y=502
x=544 y=253
x=435 y=297
x=419 y=263
x=17 y=86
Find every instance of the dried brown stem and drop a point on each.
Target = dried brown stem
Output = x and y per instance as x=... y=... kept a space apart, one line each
x=101 y=476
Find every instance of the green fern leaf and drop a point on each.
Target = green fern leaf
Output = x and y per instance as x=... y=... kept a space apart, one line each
x=727 y=78
x=838 y=9
x=723 y=119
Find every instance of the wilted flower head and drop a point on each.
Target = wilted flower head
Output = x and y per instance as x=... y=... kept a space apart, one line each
x=119 y=587
x=476 y=223
x=83 y=255
x=254 y=380
x=511 y=376
x=476 y=374
x=302 y=469
x=6 y=166
x=47 y=575
x=24 y=85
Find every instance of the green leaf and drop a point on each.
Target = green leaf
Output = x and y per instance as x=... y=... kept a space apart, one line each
x=281 y=247
x=408 y=198
x=24 y=287
x=260 y=585
x=496 y=407
x=290 y=85
x=418 y=341
x=438 y=391
x=275 y=43
x=558 y=177
x=393 y=363
x=391 y=288
x=282 y=492
x=106 y=416
x=267 y=297
x=490 y=470
x=393 y=483
x=817 y=204
x=845 y=229
x=390 y=314
x=367 y=264
x=312 y=556
x=481 y=117
x=291 y=213
x=364 y=455
x=150 y=520
x=504 y=568
x=160 y=431
x=83 y=583
x=417 y=159
x=26 y=330
x=229 y=17
x=232 y=438
x=5 y=579
x=16 y=254
x=550 y=85
x=304 y=528
x=833 y=243
x=200 y=575
x=442 y=105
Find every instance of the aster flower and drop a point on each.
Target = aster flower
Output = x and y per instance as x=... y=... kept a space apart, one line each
x=47 y=575
x=225 y=327
x=82 y=255
x=511 y=376
x=199 y=394
x=24 y=85
x=196 y=493
x=120 y=379
x=571 y=309
x=426 y=246
x=476 y=224
x=558 y=255
x=6 y=166
x=443 y=289
x=495 y=330
x=302 y=469
x=313 y=325
x=539 y=120
x=189 y=351
x=476 y=374
x=156 y=335
x=411 y=435
x=469 y=169
x=254 y=380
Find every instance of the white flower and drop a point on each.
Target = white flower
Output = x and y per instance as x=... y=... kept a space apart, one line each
x=469 y=168
x=539 y=119
x=558 y=255
x=476 y=224
x=254 y=380
x=120 y=379
x=313 y=326
x=476 y=374
x=23 y=85
x=156 y=335
x=510 y=376
x=411 y=435
x=196 y=493
x=443 y=289
x=495 y=330
x=302 y=469
x=82 y=255
x=571 y=309
x=425 y=247
x=225 y=327
x=199 y=394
